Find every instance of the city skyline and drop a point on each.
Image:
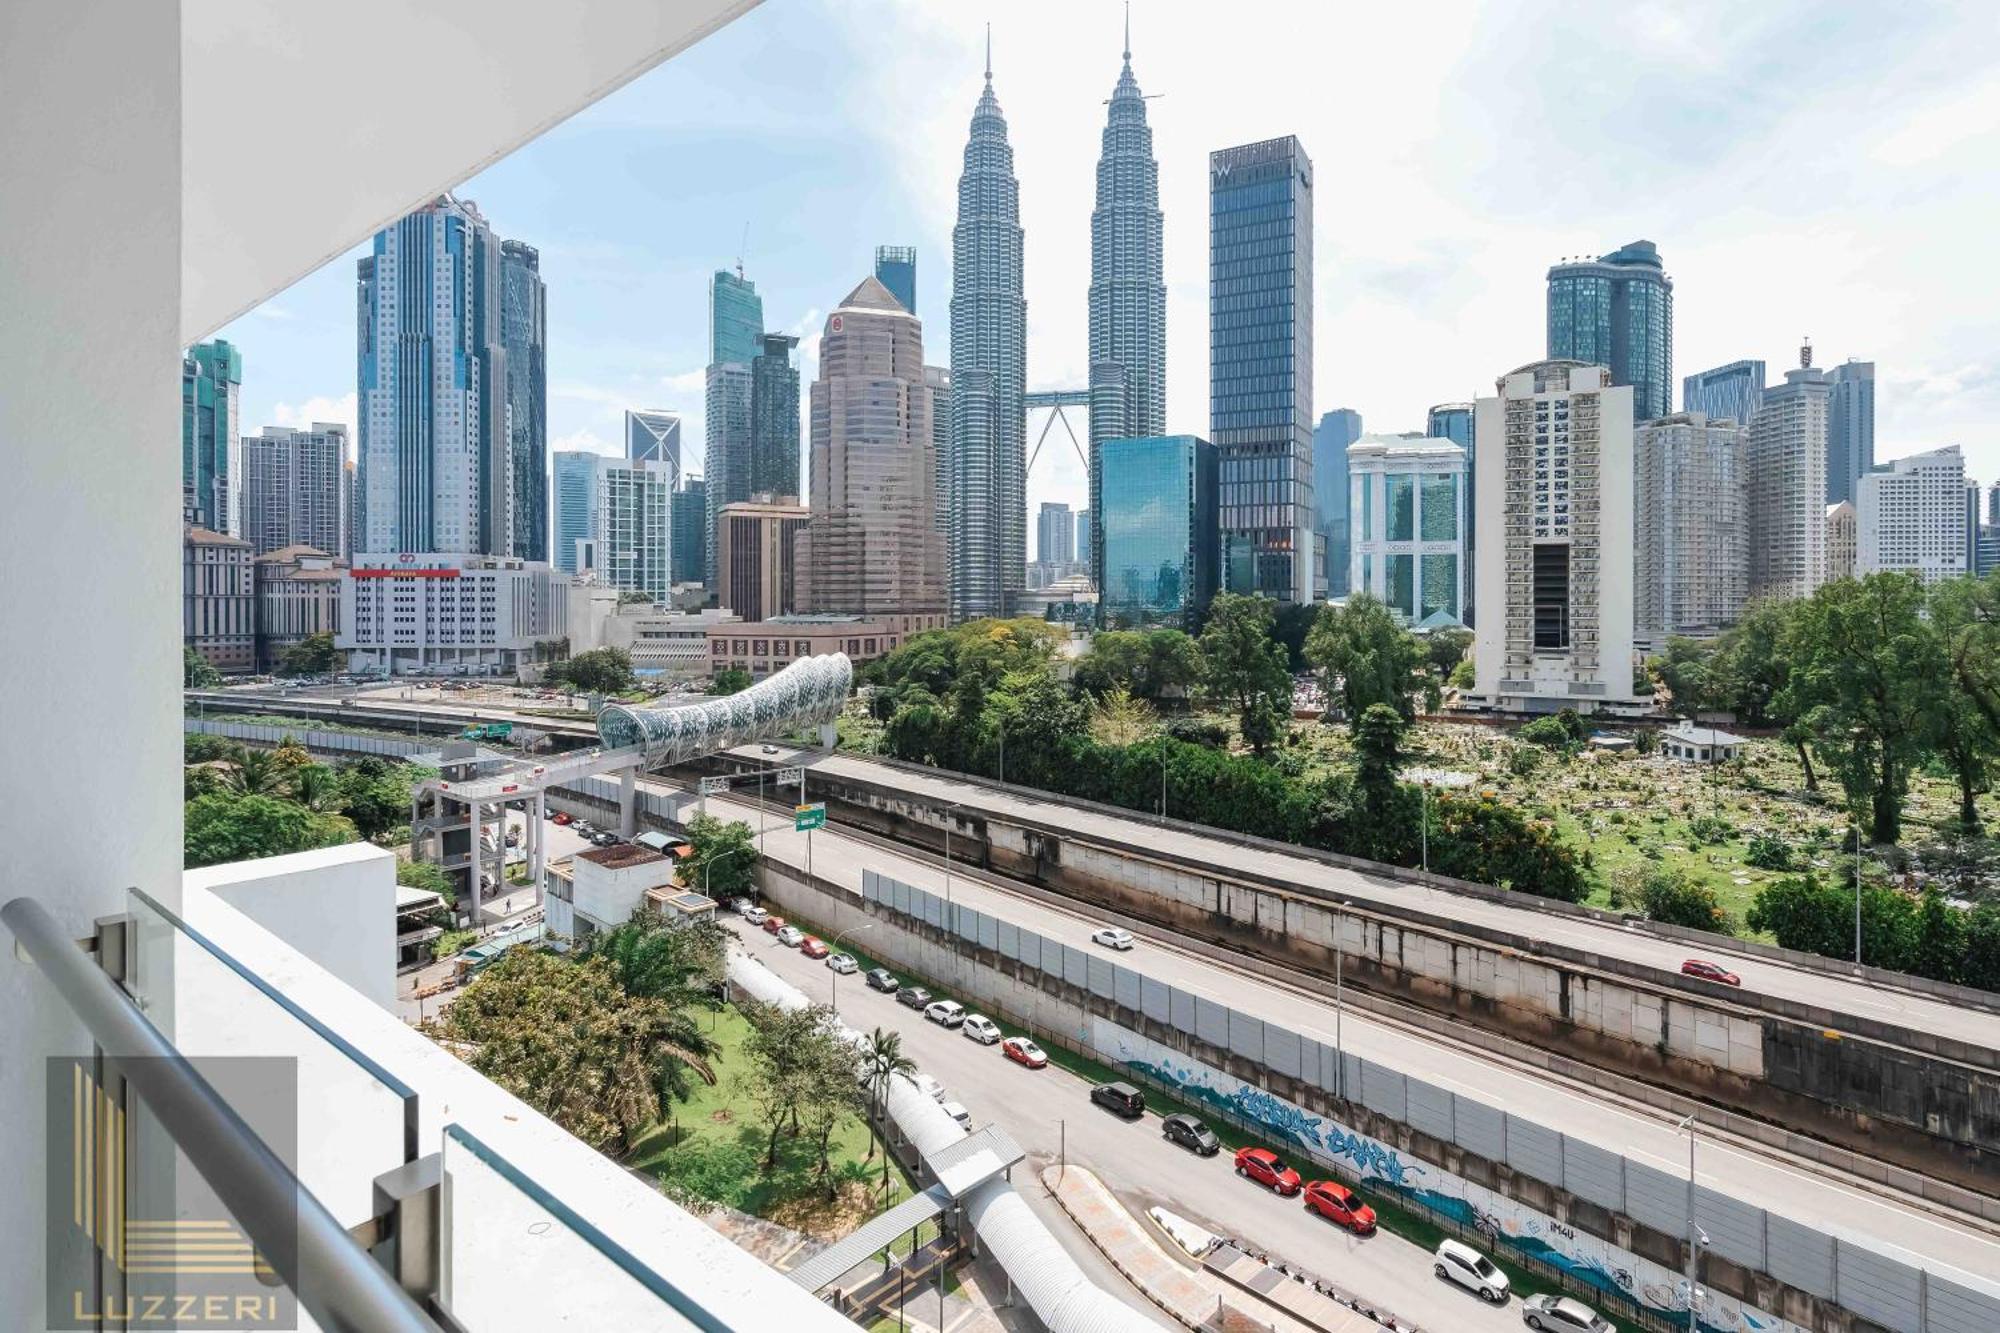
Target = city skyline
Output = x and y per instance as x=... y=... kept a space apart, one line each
x=1414 y=308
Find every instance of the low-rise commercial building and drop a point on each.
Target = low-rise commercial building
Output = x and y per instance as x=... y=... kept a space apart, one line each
x=455 y=615
x=661 y=641
x=761 y=647
x=218 y=600
x=298 y=595
x=600 y=889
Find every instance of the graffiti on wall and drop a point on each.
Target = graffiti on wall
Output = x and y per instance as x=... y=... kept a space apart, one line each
x=1506 y=1224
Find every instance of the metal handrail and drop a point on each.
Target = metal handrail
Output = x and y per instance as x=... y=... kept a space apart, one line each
x=333 y=1278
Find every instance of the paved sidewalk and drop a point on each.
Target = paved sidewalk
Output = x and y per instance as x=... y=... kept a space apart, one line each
x=1192 y=1296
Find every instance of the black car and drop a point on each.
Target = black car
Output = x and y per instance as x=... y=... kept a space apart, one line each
x=880 y=979
x=1123 y=1098
x=1191 y=1134
x=915 y=997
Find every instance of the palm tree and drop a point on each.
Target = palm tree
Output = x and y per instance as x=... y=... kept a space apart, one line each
x=882 y=1059
x=315 y=787
x=677 y=967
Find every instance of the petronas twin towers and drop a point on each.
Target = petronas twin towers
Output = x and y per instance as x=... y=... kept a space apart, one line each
x=987 y=535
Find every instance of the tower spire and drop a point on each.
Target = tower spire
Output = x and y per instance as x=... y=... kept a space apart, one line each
x=1128 y=31
x=989 y=53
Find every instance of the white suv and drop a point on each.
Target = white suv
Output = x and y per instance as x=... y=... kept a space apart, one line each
x=946 y=1013
x=1460 y=1263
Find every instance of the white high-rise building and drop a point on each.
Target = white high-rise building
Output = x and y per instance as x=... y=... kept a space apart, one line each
x=1693 y=553
x=633 y=526
x=1909 y=514
x=294 y=489
x=1784 y=459
x=1406 y=532
x=1554 y=490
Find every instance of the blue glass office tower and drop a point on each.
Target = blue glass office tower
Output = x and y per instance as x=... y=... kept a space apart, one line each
x=689 y=517
x=988 y=555
x=211 y=438
x=1336 y=430
x=1161 y=522
x=1618 y=311
x=1128 y=291
x=1732 y=391
x=524 y=336
x=896 y=269
x=735 y=340
x=1850 y=428
x=1454 y=422
x=575 y=503
x=1260 y=362
x=774 y=419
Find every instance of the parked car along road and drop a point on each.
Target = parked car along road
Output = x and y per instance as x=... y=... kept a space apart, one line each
x=813 y=947
x=791 y=936
x=881 y=979
x=1337 y=1203
x=945 y=1013
x=914 y=997
x=843 y=963
x=1191 y=1134
x=1267 y=1169
x=1561 y=1314
x=1023 y=1051
x=929 y=1086
x=774 y=924
x=1122 y=1098
x=981 y=1029
x=755 y=915
x=1460 y=1263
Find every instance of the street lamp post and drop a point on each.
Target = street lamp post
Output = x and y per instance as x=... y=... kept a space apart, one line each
x=1687 y=1125
x=834 y=997
x=1857 y=889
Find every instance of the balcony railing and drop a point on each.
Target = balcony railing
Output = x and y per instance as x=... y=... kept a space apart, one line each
x=366 y=1228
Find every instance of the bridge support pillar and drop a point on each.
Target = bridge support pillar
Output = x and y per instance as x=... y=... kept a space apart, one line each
x=628 y=802
x=537 y=835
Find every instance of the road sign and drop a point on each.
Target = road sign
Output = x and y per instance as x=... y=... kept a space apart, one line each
x=806 y=817
x=790 y=777
x=712 y=786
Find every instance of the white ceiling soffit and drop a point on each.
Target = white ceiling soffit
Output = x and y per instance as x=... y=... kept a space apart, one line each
x=307 y=125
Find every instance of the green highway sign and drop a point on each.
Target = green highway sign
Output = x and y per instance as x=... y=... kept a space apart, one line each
x=806 y=817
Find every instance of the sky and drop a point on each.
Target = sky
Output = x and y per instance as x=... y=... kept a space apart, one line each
x=1807 y=169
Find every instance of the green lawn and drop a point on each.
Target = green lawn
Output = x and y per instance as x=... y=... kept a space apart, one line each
x=712 y=1147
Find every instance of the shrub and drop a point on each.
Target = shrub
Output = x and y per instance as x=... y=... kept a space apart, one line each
x=1767 y=851
x=1547 y=732
x=1670 y=894
x=1710 y=828
x=1523 y=761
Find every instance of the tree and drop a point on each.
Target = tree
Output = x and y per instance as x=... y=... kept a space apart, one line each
x=1120 y=719
x=789 y=1060
x=680 y=964
x=1447 y=648
x=1684 y=668
x=375 y=793
x=424 y=875
x=1964 y=615
x=196 y=673
x=1036 y=715
x=317 y=788
x=1244 y=667
x=1291 y=627
x=729 y=680
x=1865 y=674
x=882 y=1060
x=723 y=863
x=1367 y=656
x=1378 y=743
x=1151 y=664
x=598 y=671
x=1768 y=851
x=1818 y=917
x=229 y=826
x=565 y=1037
x=314 y=655
x=1670 y=894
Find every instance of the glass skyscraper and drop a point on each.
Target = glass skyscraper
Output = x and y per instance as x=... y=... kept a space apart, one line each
x=1260 y=266
x=735 y=338
x=1454 y=422
x=1732 y=391
x=524 y=336
x=1128 y=292
x=989 y=360
x=690 y=518
x=1618 y=311
x=735 y=318
x=1160 y=529
x=653 y=436
x=211 y=447
x=1336 y=430
x=575 y=504
x=896 y=269
x=774 y=419
x=1850 y=428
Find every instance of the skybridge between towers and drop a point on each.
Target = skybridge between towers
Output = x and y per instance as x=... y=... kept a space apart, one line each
x=458 y=819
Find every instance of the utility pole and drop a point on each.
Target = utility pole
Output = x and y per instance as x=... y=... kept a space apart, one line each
x=1857 y=889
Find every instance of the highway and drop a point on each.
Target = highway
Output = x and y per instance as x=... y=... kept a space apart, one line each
x=1046 y=1109
x=1842 y=994
x=1857 y=1212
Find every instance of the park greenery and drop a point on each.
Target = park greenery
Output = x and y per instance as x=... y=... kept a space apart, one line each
x=596 y=671
x=244 y=802
x=1873 y=710
x=729 y=680
x=723 y=859
x=313 y=655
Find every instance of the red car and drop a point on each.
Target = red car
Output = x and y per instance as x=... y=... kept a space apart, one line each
x=813 y=947
x=1024 y=1052
x=773 y=924
x=1337 y=1203
x=1695 y=967
x=1267 y=1169
x=560 y=818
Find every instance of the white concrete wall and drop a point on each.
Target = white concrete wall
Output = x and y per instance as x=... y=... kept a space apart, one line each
x=337 y=906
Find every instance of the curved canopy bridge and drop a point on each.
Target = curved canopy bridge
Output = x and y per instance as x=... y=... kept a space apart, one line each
x=469 y=797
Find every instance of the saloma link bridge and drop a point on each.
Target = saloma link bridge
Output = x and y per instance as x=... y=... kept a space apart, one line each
x=471 y=793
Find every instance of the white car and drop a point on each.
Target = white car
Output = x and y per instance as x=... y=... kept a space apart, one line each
x=1113 y=938
x=946 y=1013
x=981 y=1029
x=928 y=1086
x=957 y=1111
x=791 y=937
x=755 y=915
x=843 y=963
x=1458 y=1262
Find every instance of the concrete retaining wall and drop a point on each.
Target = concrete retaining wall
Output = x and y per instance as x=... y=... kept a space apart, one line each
x=1906 y=1097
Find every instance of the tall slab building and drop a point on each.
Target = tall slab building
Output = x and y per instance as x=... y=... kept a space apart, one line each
x=896 y=269
x=873 y=548
x=774 y=418
x=989 y=361
x=1128 y=292
x=1850 y=428
x=735 y=339
x=1331 y=506
x=1618 y=311
x=1260 y=327
x=293 y=489
x=436 y=471
x=524 y=335
x=575 y=505
x=1734 y=391
x=1692 y=535
x=1784 y=458
x=211 y=451
x=1555 y=577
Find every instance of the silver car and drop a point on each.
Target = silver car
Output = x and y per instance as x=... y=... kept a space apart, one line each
x=1561 y=1314
x=1111 y=937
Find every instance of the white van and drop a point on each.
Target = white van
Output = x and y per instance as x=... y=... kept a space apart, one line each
x=1460 y=1263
